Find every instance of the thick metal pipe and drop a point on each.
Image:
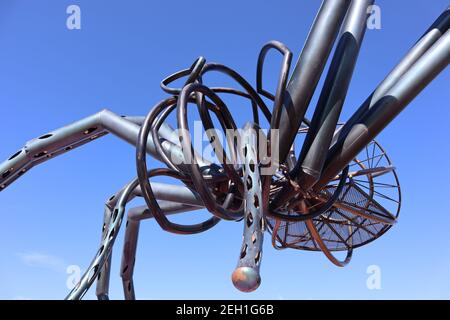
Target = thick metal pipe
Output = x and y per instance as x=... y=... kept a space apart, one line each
x=76 y=134
x=135 y=215
x=129 y=132
x=434 y=32
x=308 y=70
x=388 y=107
x=169 y=207
x=172 y=192
x=323 y=124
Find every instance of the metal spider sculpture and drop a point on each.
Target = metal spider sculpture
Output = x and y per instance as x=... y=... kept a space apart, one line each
x=339 y=193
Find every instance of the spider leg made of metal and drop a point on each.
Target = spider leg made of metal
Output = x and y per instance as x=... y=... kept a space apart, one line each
x=108 y=238
x=326 y=114
x=423 y=62
x=84 y=131
x=76 y=134
x=135 y=215
x=104 y=275
x=109 y=234
x=173 y=198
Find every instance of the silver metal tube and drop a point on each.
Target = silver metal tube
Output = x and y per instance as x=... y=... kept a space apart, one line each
x=135 y=215
x=102 y=288
x=175 y=193
x=246 y=276
x=169 y=208
x=67 y=138
x=329 y=106
x=127 y=131
x=389 y=106
x=434 y=32
x=308 y=69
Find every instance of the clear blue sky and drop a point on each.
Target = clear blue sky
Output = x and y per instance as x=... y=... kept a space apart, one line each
x=51 y=76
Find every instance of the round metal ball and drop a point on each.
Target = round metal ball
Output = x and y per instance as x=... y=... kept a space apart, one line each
x=246 y=279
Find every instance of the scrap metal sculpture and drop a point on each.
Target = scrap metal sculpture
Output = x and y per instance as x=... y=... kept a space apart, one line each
x=340 y=192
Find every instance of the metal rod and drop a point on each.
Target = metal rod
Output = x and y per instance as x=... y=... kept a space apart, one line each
x=67 y=138
x=388 y=107
x=329 y=106
x=135 y=215
x=308 y=69
x=434 y=32
x=246 y=276
x=176 y=193
x=102 y=288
